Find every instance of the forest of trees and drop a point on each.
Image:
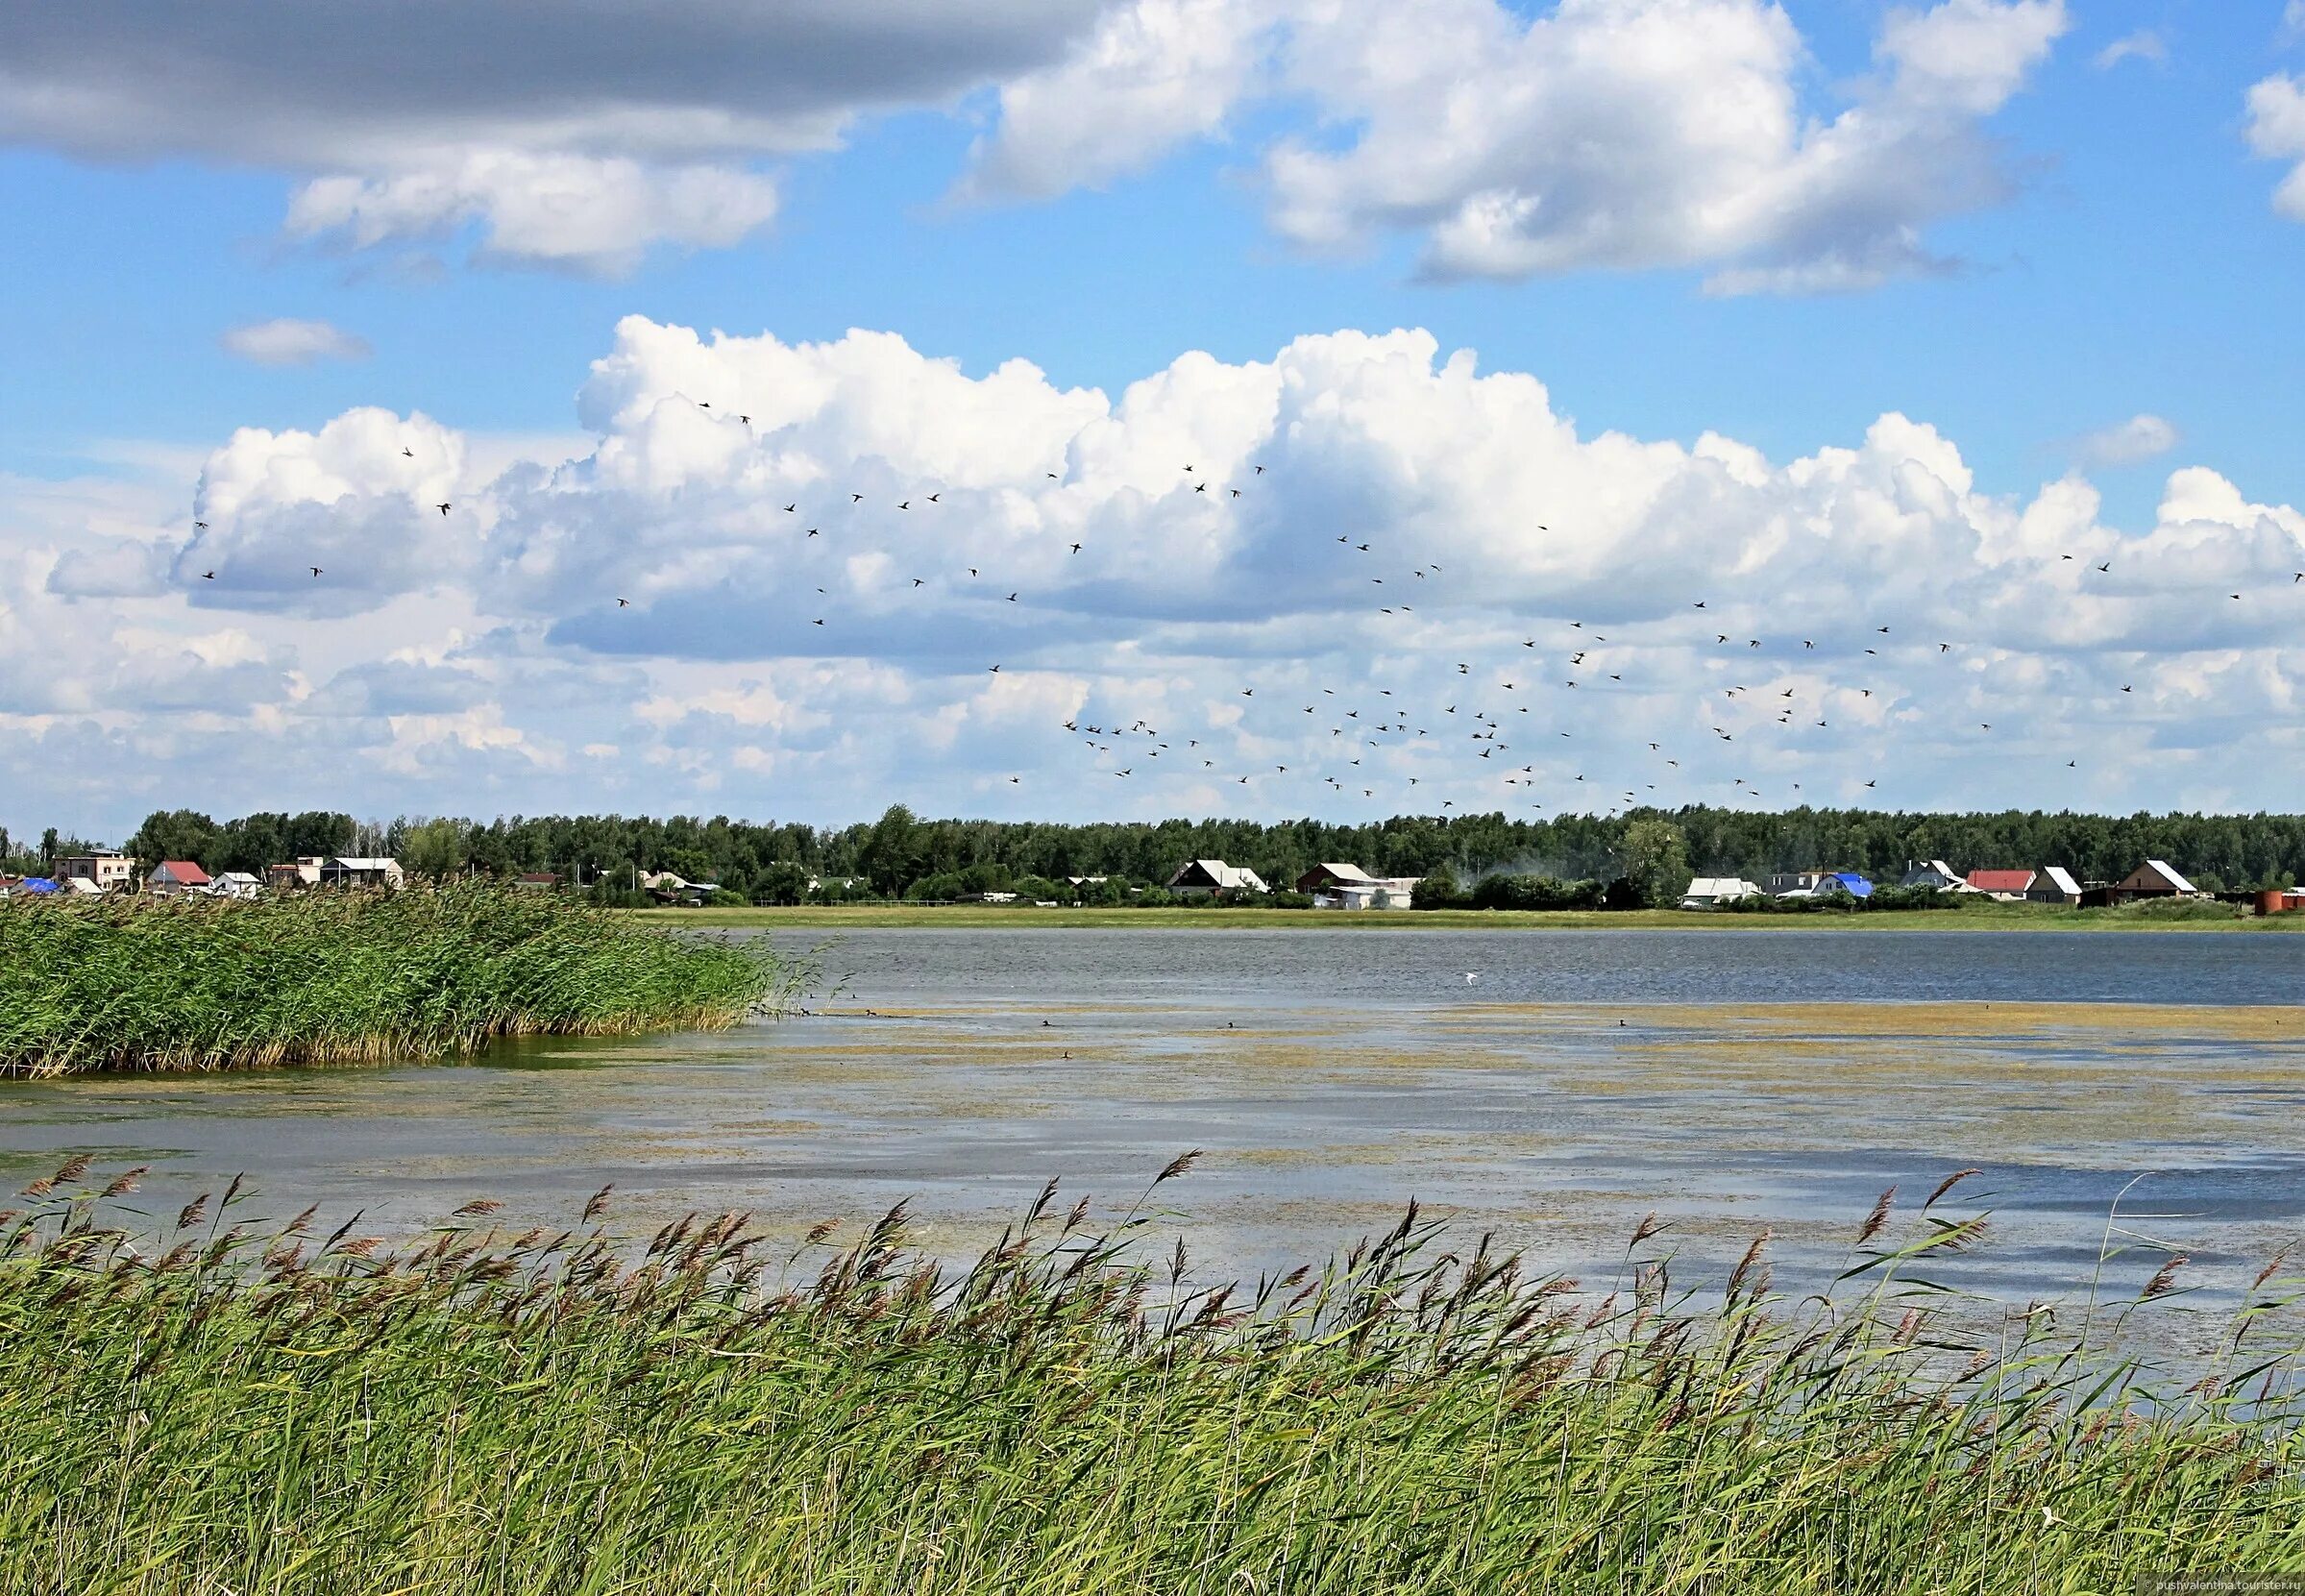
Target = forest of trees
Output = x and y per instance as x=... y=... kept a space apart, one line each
x=768 y=862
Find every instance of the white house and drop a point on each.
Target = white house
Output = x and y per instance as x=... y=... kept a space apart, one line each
x=1935 y=874
x=105 y=867
x=1709 y=890
x=236 y=883
x=1206 y=877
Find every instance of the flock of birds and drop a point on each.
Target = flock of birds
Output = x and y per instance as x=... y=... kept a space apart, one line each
x=1489 y=709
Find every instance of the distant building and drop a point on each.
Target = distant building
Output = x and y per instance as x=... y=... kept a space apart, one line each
x=1207 y=878
x=236 y=883
x=303 y=872
x=173 y=878
x=1787 y=881
x=665 y=887
x=362 y=872
x=1350 y=886
x=2154 y=879
x=1935 y=874
x=109 y=869
x=1837 y=882
x=2007 y=885
x=536 y=881
x=80 y=886
x=1709 y=890
x=2053 y=884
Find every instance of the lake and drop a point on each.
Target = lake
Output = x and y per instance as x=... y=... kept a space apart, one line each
x=1724 y=1080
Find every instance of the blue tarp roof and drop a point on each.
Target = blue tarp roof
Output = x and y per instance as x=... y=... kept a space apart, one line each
x=36 y=885
x=1855 y=885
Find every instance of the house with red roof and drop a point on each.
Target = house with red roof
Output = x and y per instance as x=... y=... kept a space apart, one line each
x=173 y=877
x=2007 y=885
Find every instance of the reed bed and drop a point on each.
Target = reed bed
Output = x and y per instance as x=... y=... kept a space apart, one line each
x=346 y=978
x=213 y=1404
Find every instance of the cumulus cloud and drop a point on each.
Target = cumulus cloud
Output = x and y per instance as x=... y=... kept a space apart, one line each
x=2276 y=131
x=1612 y=134
x=287 y=342
x=1510 y=553
x=2140 y=437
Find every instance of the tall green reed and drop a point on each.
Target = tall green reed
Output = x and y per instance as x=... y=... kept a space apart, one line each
x=346 y=976
x=210 y=1403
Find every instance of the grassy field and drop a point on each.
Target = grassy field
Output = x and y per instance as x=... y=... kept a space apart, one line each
x=210 y=1405
x=335 y=977
x=1982 y=917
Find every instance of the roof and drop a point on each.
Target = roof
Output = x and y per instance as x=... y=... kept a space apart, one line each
x=2060 y=878
x=184 y=873
x=1223 y=876
x=539 y=875
x=2000 y=881
x=1721 y=886
x=2168 y=873
x=1856 y=885
x=366 y=864
x=239 y=876
x=1347 y=872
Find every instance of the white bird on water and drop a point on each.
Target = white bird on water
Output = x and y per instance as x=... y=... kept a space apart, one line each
x=1470 y=976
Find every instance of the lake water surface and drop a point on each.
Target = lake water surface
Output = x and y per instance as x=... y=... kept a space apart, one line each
x=1725 y=1080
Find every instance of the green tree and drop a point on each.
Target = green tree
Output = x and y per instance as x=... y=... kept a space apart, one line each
x=891 y=851
x=782 y=882
x=434 y=849
x=176 y=834
x=1656 y=855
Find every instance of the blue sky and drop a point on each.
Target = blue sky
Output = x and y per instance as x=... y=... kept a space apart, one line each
x=2021 y=245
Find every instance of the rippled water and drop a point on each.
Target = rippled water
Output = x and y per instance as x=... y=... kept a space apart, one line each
x=1726 y=1080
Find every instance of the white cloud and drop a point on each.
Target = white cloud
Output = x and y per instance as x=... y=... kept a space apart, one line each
x=2144 y=45
x=287 y=342
x=1152 y=75
x=1591 y=135
x=2140 y=437
x=1610 y=133
x=2276 y=131
x=491 y=668
x=600 y=215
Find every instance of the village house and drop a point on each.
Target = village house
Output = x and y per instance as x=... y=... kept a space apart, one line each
x=536 y=881
x=1706 y=891
x=2154 y=879
x=2053 y=884
x=236 y=883
x=111 y=870
x=1208 y=877
x=1935 y=874
x=1785 y=881
x=665 y=887
x=173 y=878
x=1350 y=886
x=362 y=872
x=303 y=873
x=2010 y=886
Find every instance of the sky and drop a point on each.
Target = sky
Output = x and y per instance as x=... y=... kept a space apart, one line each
x=1859 y=404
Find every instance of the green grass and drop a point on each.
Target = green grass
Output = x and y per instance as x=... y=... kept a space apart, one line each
x=335 y=977
x=215 y=1406
x=1984 y=916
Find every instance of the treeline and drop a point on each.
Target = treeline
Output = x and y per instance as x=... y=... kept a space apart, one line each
x=770 y=861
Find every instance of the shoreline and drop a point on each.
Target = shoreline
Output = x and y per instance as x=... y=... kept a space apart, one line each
x=1008 y=917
